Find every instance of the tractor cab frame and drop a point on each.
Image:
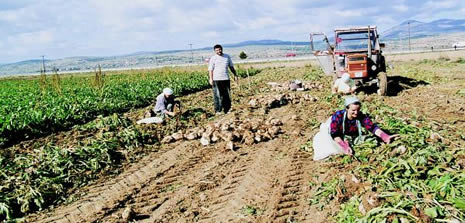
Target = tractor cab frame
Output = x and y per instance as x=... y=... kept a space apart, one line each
x=356 y=51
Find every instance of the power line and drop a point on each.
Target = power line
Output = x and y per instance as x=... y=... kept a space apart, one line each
x=43 y=63
x=192 y=53
x=409 y=36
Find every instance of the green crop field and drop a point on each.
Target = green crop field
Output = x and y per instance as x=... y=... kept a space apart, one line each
x=34 y=107
x=30 y=108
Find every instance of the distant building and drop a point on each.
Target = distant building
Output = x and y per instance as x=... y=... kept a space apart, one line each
x=458 y=44
x=290 y=54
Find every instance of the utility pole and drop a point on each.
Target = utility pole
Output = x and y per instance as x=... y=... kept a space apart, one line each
x=409 y=36
x=43 y=63
x=192 y=53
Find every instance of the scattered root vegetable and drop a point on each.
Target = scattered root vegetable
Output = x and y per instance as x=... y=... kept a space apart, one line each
x=248 y=131
x=295 y=85
x=275 y=101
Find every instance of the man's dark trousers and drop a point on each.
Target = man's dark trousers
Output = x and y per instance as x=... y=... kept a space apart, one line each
x=221 y=96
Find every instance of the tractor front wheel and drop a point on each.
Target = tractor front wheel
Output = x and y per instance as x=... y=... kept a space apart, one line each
x=382 y=83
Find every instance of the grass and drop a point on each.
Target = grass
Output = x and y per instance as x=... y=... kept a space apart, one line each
x=170 y=188
x=250 y=210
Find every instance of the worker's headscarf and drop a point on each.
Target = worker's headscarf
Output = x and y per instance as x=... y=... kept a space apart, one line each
x=345 y=77
x=167 y=91
x=350 y=100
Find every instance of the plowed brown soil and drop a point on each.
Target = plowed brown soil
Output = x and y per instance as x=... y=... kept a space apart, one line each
x=265 y=182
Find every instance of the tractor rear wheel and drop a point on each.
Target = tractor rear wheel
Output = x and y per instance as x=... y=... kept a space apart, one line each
x=382 y=83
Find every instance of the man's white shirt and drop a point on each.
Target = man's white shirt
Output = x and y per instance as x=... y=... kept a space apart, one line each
x=219 y=65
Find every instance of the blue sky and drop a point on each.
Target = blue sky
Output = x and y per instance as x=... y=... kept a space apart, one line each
x=66 y=28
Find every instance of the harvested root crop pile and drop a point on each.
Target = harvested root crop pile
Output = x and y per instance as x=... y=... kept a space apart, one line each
x=295 y=85
x=275 y=101
x=233 y=131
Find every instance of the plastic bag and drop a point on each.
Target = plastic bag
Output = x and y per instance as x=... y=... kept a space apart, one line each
x=323 y=143
x=156 y=120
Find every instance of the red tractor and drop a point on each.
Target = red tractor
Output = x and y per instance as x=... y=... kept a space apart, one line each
x=356 y=51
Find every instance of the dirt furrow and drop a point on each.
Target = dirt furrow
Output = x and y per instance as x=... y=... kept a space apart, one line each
x=290 y=202
x=162 y=201
x=250 y=187
x=103 y=200
x=246 y=183
x=187 y=182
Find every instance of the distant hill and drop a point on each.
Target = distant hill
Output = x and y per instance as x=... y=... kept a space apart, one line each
x=137 y=59
x=265 y=42
x=271 y=42
x=254 y=49
x=422 y=29
x=240 y=44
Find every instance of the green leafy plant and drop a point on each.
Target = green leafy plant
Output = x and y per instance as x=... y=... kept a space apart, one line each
x=80 y=99
x=421 y=179
x=251 y=210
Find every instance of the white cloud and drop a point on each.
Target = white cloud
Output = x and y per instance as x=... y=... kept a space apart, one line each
x=19 y=17
x=354 y=12
x=9 y=16
x=433 y=10
x=124 y=7
x=122 y=15
x=27 y=39
x=210 y=34
x=106 y=27
x=31 y=44
x=385 y=21
x=444 y=4
x=179 y=20
x=401 y=8
x=258 y=23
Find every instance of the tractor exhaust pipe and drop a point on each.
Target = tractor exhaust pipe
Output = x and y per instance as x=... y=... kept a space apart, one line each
x=369 y=42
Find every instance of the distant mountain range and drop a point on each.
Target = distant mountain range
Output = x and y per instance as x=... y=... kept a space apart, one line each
x=414 y=28
x=266 y=42
x=422 y=29
x=143 y=59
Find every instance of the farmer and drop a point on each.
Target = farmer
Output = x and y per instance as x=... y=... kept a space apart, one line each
x=344 y=85
x=344 y=128
x=219 y=79
x=165 y=104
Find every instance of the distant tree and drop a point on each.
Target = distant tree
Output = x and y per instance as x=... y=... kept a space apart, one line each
x=242 y=55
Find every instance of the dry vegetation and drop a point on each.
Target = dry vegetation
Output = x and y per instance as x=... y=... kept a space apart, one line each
x=255 y=163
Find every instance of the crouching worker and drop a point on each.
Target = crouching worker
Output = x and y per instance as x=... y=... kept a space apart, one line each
x=165 y=104
x=344 y=85
x=343 y=128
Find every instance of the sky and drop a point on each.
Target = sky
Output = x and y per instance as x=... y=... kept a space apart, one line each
x=56 y=29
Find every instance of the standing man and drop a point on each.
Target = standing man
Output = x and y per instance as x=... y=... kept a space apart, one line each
x=219 y=79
